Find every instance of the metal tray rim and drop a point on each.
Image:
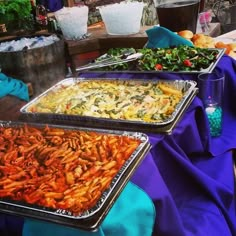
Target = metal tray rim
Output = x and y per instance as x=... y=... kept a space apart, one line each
x=89 y=224
x=192 y=84
x=207 y=70
x=118 y=177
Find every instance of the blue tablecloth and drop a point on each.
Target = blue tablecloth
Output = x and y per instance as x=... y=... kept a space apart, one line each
x=188 y=174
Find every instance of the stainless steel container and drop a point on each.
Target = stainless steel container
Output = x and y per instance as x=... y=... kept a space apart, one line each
x=42 y=66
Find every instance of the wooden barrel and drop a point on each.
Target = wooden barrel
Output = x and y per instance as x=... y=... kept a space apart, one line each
x=43 y=66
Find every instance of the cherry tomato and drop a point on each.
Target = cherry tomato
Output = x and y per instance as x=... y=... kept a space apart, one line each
x=187 y=62
x=158 y=67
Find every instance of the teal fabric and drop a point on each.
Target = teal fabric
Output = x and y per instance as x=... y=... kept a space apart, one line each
x=14 y=87
x=132 y=214
x=161 y=37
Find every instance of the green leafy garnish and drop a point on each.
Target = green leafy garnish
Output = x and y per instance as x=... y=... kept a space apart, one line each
x=181 y=58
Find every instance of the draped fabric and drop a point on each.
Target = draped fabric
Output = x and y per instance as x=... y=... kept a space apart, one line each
x=188 y=174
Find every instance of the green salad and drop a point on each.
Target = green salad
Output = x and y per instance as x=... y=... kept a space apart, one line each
x=181 y=58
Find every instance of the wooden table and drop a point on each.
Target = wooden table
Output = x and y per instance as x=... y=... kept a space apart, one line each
x=83 y=51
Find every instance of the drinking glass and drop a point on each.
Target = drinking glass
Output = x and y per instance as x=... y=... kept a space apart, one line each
x=211 y=91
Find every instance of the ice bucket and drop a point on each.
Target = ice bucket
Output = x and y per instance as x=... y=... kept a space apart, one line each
x=122 y=18
x=73 y=21
x=42 y=66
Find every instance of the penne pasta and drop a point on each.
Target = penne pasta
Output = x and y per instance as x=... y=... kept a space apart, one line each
x=60 y=169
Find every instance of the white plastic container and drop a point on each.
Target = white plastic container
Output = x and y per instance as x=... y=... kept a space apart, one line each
x=122 y=18
x=73 y=21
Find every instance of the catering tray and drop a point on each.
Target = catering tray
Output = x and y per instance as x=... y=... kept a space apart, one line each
x=133 y=67
x=164 y=129
x=186 y=86
x=90 y=219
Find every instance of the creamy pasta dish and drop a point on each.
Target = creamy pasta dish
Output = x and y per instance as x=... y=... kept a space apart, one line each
x=114 y=99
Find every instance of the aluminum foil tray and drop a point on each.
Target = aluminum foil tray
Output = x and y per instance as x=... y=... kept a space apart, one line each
x=132 y=68
x=186 y=86
x=163 y=129
x=92 y=218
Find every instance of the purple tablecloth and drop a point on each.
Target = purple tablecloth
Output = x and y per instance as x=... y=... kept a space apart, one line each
x=188 y=174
